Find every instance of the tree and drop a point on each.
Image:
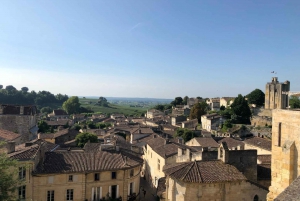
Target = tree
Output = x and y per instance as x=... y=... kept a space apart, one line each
x=256 y=97
x=227 y=124
x=177 y=101
x=294 y=102
x=103 y=102
x=43 y=126
x=1 y=86
x=82 y=138
x=241 y=109
x=198 y=110
x=185 y=100
x=10 y=88
x=46 y=110
x=185 y=134
x=222 y=108
x=72 y=105
x=24 y=89
x=8 y=179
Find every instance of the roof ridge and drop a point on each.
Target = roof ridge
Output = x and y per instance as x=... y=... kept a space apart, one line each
x=183 y=177
x=199 y=172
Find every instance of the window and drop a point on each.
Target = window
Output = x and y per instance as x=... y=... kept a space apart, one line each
x=158 y=164
x=131 y=188
x=114 y=175
x=50 y=196
x=22 y=192
x=114 y=191
x=96 y=193
x=70 y=195
x=22 y=172
x=131 y=172
x=97 y=176
x=255 y=198
x=70 y=177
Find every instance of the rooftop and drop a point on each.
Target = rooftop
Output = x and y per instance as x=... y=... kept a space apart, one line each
x=259 y=142
x=68 y=161
x=8 y=135
x=203 y=172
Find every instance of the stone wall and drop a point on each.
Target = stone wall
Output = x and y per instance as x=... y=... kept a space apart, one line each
x=83 y=184
x=20 y=124
x=285 y=166
x=179 y=191
x=261 y=121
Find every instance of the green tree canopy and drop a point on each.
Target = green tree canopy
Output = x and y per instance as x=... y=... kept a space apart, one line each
x=9 y=182
x=185 y=100
x=241 y=110
x=43 y=126
x=102 y=101
x=185 y=134
x=24 y=89
x=72 y=105
x=294 y=102
x=198 y=110
x=177 y=101
x=82 y=138
x=256 y=97
x=10 y=88
x=1 y=86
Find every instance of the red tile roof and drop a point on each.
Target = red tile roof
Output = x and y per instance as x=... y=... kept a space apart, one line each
x=8 y=135
x=206 y=142
x=231 y=143
x=259 y=142
x=203 y=172
x=62 y=161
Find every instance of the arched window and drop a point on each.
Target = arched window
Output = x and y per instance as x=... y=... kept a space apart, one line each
x=255 y=198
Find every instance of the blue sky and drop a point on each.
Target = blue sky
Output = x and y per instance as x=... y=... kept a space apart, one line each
x=158 y=49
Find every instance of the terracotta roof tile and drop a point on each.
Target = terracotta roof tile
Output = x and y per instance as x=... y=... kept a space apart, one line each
x=203 y=172
x=259 y=142
x=231 y=143
x=8 y=135
x=62 y=161
x=59 y=112
x=23 y=152
x=206 y=141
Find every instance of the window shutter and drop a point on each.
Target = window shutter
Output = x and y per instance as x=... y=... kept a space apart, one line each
x=117 y=191
x=75 y=177
x=92 y=198
x=100 y=194
x=133 y=187
x=129 y=189
x=109 y=191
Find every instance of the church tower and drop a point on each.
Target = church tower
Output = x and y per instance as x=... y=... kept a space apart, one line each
x=277 y=94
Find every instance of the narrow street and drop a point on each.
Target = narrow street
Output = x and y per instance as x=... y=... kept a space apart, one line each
x=150 y=194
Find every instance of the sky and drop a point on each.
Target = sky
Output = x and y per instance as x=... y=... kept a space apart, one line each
x=149 y=48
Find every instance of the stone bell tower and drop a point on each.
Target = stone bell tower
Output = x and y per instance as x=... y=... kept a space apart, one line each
x=277 y=94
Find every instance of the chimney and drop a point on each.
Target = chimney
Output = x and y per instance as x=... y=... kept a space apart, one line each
x=10 y=147
x=179 y=151
x=28 y=144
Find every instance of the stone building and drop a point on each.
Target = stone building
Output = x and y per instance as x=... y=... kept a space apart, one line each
x=209 y=180
x=211 y=121
x=58 y=114
x=159 y=152
x=226 y=101
x=214 y=104
x=19 y=119
x=277 y=94
x=89 y=174
x=285 y=156
x=262 y=145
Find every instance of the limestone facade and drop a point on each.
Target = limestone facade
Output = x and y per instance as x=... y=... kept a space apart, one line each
x=277 y=94
x=186 y=191
x=285 y=166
